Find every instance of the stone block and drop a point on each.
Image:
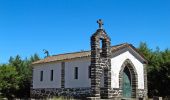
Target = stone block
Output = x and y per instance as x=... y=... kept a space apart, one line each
x=157 y=98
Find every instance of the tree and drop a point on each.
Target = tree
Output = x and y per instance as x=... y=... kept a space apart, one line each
x=164 y=76
x=24 y=70
x=158 y=69
x=35 y=57
x=143 y=48
x=9 y=81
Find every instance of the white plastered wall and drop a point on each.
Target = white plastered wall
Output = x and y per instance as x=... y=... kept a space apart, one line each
x=46 y=68
x=83 y=79
x=116 y=63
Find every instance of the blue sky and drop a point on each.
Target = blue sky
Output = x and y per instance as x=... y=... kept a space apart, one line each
x=60 y=26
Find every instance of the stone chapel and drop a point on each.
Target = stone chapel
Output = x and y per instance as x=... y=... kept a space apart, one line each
x=105 y=72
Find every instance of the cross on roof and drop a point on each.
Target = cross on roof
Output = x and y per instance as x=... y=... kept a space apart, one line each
x=100 y=22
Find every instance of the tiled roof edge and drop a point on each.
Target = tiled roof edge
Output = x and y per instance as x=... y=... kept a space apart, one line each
x=123 y=45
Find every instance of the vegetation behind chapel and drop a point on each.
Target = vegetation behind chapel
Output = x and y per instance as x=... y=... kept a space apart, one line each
x=158 y=70
x=15 y=77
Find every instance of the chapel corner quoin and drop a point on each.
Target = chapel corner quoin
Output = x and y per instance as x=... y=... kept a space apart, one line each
x=107 y=72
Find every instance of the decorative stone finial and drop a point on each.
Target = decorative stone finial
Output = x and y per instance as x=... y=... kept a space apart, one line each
x=46 y=52
x=100 y=22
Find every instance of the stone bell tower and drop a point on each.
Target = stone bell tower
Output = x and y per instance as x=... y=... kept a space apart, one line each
x=100 y=62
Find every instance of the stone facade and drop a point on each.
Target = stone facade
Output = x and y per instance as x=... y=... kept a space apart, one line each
x=100 y=62
x=145 y=82
x=141 y=93
x=78 y=92
x=68 y=92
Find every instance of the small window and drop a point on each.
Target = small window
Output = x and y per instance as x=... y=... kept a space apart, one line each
x=76 y=73
x=89 y=71
x=51 y=75
x=41 y=76
x=101 y=44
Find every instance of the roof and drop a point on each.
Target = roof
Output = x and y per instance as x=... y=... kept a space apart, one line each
x=68 y=56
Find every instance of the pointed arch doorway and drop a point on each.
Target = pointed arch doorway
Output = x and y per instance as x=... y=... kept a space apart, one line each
x=126 y=86
x=128 y=80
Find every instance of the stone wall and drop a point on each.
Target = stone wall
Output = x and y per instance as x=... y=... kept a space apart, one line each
x=67 y=92
x=77 y=92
